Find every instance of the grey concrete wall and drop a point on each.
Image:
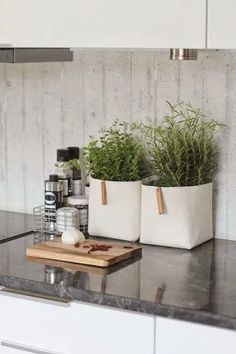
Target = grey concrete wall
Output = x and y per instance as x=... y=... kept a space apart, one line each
x=46 y=106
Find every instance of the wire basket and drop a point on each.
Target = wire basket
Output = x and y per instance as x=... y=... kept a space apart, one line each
x=49 y=223
x=40 y=237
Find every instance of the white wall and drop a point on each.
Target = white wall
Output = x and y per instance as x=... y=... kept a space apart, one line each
x=47 y=106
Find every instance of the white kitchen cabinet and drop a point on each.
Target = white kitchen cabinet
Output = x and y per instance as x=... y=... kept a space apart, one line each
x=103 y=23
x=180 y=337
x=29 y=325
x=221 y=24
x=12 y=351
x=15 y=348
x=107 y=331
x=32 y=324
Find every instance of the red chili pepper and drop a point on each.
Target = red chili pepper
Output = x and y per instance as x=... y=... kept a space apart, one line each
x=97 y=247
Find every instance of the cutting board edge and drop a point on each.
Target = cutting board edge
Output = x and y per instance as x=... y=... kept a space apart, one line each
x=30 y=252
x=136 y=252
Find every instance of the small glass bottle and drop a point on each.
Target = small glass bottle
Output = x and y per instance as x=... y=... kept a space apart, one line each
x=53 y=200
x=76 y=183
x=75 y=172
x=62 y=171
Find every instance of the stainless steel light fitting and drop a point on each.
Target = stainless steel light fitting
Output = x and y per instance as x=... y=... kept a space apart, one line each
x=183 y=54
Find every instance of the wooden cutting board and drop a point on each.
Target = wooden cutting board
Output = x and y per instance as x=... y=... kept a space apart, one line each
x=58 y=251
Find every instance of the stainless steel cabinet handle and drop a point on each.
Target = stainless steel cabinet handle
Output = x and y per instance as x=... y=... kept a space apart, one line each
x=17 y=346
x=22 y=294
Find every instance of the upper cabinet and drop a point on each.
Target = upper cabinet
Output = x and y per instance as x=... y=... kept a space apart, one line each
x=104 y=23
x=221 y=24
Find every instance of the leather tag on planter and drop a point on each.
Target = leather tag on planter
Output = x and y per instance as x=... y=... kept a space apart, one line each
x=104 y=193
x=160 y=201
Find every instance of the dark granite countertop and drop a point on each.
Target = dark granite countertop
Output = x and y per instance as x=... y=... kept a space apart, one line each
x=14 y=225
x=197 y=285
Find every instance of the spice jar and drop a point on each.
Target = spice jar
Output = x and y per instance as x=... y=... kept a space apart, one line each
x=81 y=204
x=67 y=218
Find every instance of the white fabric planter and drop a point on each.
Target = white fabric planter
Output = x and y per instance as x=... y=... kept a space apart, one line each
x=187 y=220
x=119 y=218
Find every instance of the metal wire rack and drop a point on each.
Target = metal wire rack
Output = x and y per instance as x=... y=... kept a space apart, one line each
x=49 y=223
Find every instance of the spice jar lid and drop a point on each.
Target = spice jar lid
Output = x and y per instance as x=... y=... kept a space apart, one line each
x=62 y=155
x=73 y=152
x=78 y=200
x=53 y=178
x=67 y=211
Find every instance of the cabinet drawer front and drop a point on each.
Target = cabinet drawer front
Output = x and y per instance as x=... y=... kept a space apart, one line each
x=14 y=348
x=180 y=337
x=6 y=350
x=109 y=331
x=33 y=323
x=77 y=328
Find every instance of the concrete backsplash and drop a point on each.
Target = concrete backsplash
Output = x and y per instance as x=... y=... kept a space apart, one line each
x=47 y=106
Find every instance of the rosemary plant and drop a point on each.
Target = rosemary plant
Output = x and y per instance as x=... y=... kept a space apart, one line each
x=116 y=155
x=182 y=149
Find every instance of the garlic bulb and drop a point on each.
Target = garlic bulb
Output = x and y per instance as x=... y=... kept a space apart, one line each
x=72 y=236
